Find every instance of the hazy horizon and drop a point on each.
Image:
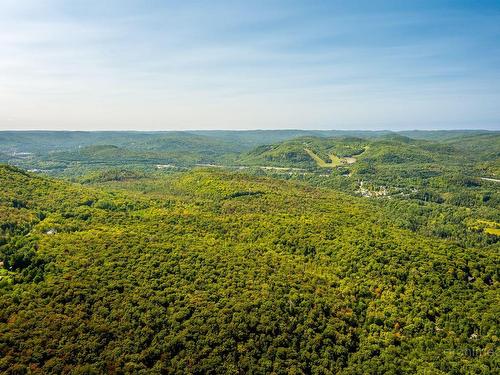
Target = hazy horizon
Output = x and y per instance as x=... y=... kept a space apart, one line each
x=173 y=66
x=257 y=129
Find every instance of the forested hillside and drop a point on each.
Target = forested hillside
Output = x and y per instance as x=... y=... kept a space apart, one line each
x=75 y=153
x=216 y=271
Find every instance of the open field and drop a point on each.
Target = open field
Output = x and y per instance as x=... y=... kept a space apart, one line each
x=336 y=161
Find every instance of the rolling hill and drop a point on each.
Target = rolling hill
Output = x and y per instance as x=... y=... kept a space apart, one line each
x=206 y=270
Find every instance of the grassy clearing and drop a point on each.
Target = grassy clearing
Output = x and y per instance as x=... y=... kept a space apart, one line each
x=495 y=231
x=490 y=227
x=320 y=162
x=335 y=160
x=350 y=160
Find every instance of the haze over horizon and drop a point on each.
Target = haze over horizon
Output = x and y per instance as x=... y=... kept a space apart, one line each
x=167 y=65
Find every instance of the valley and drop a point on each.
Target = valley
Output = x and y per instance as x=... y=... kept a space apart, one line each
x=249 y=187
x=250 y=258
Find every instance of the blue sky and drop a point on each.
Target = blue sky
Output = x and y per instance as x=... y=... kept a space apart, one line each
x=172 y=65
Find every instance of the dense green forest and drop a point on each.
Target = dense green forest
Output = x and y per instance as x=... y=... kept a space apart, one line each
x=249 y=252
